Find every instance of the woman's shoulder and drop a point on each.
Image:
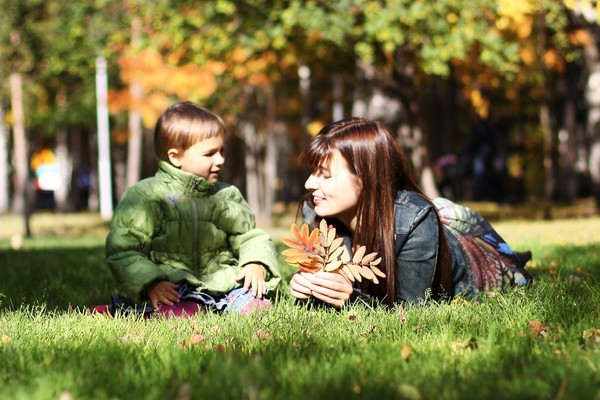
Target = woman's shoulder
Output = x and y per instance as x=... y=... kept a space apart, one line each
x=410 y=210
x=412 y=199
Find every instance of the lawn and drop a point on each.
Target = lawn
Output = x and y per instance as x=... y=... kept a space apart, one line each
x=538 y=343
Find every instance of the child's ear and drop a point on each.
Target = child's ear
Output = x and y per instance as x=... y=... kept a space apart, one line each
x=174 y=157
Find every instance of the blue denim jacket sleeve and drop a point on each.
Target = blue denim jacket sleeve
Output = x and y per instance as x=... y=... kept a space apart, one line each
x=416 y=233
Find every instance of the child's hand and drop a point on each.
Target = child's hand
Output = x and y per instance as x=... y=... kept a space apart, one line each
x=164 y=292
x=254 y=277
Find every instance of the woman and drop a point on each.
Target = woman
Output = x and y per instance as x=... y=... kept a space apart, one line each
x=362 y=183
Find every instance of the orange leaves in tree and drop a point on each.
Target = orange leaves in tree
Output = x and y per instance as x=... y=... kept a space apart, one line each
x=320 y=249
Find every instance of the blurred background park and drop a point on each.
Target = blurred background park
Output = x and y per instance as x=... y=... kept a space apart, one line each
x=495 y=101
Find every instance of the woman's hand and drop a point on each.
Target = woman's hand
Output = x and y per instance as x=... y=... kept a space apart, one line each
x=164 y=292
x=330 y=287
x=300 y=285
x=254 y=278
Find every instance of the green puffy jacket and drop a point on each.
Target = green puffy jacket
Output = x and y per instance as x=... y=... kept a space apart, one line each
x=180 y=227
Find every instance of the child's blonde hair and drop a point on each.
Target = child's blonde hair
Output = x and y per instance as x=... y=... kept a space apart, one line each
x=182 y=125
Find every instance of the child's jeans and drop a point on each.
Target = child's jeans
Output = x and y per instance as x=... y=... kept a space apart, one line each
x=239 y=301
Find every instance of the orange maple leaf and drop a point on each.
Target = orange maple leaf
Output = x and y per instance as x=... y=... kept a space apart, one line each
x=301 y=251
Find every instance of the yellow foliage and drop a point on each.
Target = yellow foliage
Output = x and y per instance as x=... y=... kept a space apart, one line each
x=480 y=104
x=525 y=27
x=527 y=55
x=580 y=37
x=553 y=61
x=314 y=127
x=517 y=10
x=452 y=18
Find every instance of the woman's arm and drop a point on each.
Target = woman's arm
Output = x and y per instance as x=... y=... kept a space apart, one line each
x=417 y=258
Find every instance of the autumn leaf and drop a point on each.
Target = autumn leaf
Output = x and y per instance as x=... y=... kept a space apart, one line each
x=469 y=344
x=402 y=314
x=321 y=249
x=537 y=329
x=591 y=337
x=262 y=334
x=406 y=351
x=197 y=339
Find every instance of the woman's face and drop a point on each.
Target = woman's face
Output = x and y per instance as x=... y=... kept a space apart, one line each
x=335 y=191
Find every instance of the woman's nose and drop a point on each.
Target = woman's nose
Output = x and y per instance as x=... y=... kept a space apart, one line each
x=311 y=183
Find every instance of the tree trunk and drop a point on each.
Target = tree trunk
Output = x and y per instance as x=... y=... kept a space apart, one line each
x=548 y=144
x=260 y=155
x=20 y=158
x=338 y=96
x=592 y=96
x=134 y=145
x=568 y=150
x=94 y=189
x=4 y=165
x=104 y=170
x=247 y=131
x=63 y=158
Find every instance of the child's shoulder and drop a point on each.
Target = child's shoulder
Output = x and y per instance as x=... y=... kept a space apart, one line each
x=226 y=190
x=147 y=187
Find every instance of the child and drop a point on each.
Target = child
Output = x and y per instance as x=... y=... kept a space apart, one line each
x=182 y=241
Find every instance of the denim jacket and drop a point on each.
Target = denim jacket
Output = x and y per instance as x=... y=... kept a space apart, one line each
x=416 y=234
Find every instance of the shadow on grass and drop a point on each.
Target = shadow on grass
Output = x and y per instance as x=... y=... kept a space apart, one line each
x=59 y=277
x=62 y=275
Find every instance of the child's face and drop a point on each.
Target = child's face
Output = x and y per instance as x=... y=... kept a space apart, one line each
x=204 y=158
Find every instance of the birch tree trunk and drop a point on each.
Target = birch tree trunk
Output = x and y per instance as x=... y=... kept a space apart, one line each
x=104 y=170
x=4 y=166
x=592 y=96
x=134 y=145
x=63 y=157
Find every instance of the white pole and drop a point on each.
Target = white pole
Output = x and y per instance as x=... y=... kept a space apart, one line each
x=104 y=175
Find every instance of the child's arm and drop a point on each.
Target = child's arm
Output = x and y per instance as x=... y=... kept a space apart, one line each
x=254 y=278
x=250 y=245
x=128 y=245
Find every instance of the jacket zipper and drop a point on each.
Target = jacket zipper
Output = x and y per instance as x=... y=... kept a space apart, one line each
x=195 y=261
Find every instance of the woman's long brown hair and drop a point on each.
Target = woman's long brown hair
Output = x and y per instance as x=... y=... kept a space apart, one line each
x=382 y=168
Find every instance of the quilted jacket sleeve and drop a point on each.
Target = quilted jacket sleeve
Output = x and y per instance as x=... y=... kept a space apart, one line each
x=251 y=244
x=128 y=244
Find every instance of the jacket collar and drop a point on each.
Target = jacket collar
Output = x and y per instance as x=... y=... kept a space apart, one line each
x=188 y=183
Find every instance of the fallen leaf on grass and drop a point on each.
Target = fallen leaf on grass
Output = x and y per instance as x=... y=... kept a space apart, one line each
x=408 y=392
x=402 y=314
x=220 y=348
x=262 y=334
x=469 y=344
x=591 y=337
x=406 y=351
x=538 y=329
x=197 y=339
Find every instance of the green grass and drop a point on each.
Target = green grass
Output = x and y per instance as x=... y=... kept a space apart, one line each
x=51 y=348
